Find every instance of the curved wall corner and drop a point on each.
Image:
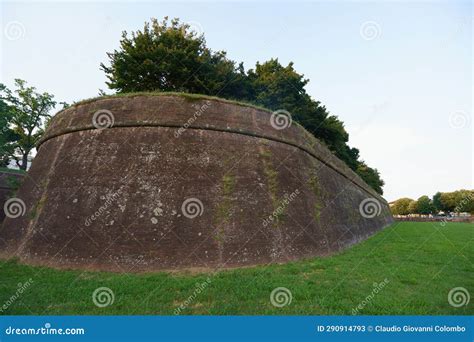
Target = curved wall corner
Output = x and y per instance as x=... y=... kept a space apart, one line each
x=182 y=183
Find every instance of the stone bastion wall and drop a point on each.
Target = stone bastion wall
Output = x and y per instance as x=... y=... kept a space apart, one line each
x=177 y=182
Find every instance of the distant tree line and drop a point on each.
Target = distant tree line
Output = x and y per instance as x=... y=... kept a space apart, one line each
x=169 y=56
x=448 y=202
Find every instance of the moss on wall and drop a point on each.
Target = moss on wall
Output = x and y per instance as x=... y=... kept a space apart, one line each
x=224 y=209
x=314 y=185
x=37 y=208
x=253 y=172
x=272 y=181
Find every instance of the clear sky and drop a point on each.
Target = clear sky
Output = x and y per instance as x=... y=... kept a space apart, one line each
x=399 y=74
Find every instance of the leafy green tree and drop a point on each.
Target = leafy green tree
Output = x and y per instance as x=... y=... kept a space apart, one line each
x=448 y=201
x=168 y=56
x=279 y=87
x=413 y=207
x=400 y=207
x=464 y=200
x=7 y=135
x=437 y=202
x=424 y=206
x=371 y=177
x=26 y=112
x=455 y=201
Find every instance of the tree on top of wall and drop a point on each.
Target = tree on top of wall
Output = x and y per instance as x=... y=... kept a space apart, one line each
x=170 y=56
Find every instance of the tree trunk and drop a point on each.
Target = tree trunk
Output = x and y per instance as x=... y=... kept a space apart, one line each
x=24 y=160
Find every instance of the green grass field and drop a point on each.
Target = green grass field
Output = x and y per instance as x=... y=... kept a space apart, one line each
x=7 y=170
x=421 y=262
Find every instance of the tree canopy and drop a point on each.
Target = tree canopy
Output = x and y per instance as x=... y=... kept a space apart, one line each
x=7 y=135
x=457 y=201
x=424 y=206
x=169 y=56
x=401 y=206
x=23 y=115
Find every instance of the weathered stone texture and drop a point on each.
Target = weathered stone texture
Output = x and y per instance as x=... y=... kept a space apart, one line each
x=134 y=177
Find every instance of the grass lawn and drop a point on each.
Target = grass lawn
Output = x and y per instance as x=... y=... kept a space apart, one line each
x=8 y=170
x=422 y=262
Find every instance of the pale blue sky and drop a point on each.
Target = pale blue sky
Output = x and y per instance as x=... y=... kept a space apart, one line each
x=405 y=95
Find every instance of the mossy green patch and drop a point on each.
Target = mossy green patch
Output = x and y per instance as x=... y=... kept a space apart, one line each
x=228 y=182
x=272 y=181
x=223 y=210
x=37 y=208
x=314 y=185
